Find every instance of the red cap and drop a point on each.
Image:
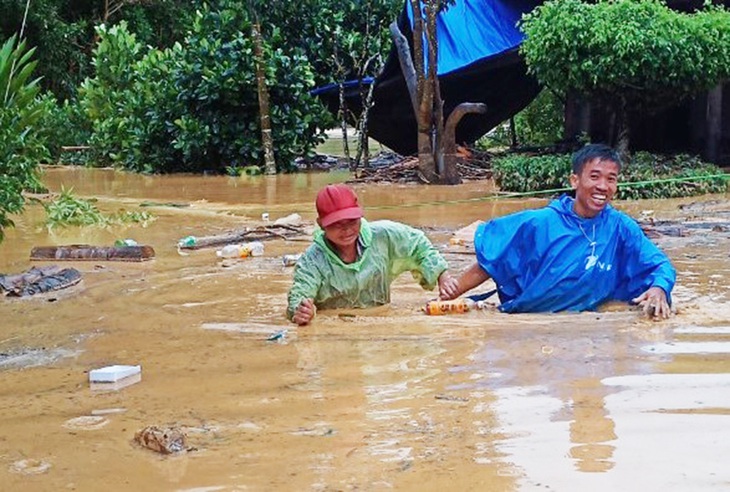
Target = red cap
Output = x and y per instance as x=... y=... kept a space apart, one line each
x=335 y=203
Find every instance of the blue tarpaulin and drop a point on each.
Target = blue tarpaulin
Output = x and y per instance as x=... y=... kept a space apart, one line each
x=474 y=30
x=478 y=61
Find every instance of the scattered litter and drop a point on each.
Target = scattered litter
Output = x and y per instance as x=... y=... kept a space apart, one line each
x=285 y=228
x=125 y=242
x=108 y=411
x=290 y=260
x=81 y=252
x=117 y=385
x=289 y=220
x=112 y=378
x=111 y=374
x=451 y=398
x=39 y=280
x=278 y=336
x=86 y=422
x=168 y=440
x=243 y=250
x=30 y=467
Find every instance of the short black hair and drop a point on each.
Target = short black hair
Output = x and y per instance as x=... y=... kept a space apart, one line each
x=594 y=151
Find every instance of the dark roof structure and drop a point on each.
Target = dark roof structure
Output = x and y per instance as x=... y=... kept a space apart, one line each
x=478 y=61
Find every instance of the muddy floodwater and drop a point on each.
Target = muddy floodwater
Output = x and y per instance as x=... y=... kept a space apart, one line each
x=362 y=400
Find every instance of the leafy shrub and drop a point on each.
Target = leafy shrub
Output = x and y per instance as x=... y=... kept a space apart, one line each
x=68 y=210
x=195 y=107
x=524 y=173
x=684 y=175
x=539 y=124
x=646 y=176
x=20 y=147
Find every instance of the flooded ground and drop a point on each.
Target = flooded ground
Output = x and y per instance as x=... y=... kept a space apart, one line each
x=371 y=400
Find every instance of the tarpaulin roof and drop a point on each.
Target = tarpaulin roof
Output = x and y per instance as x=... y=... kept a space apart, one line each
x=478 y=61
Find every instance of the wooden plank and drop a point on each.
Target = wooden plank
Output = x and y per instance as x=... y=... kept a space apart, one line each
x=86 y=252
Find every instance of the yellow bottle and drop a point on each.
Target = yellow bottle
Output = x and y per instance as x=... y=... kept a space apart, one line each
x=455 y=306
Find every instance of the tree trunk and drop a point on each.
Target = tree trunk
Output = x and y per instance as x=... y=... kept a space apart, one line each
x=343 y=125
x=267 y=140
x=622 y=131
x=363 y=144
x=406 y=64
x=713 y=124
x=450 y=155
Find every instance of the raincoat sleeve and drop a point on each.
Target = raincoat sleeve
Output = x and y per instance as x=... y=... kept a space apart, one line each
x=308 y=279
x=646 y=265
x=506 y=249
x=411 y=250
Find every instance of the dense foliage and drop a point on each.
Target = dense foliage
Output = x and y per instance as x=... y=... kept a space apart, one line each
x=631 y=55
x=21 y=149
x=63 y=32
x=193 y=107
x=68 y=210
x=648 y=175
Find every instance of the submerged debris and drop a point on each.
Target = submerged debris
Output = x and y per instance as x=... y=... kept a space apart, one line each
x=39 y=280
x=260 y=233
x=168 y=440
x=76 y=252
x=471 y=165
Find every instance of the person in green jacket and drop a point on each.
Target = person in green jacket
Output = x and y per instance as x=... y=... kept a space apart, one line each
x=352 y=262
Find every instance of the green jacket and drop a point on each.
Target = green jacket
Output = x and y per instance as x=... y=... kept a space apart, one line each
x=389 y=249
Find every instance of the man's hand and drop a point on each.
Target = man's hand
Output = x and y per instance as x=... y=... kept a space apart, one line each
x=305 y=312
x=448 y=286
x=654 y=303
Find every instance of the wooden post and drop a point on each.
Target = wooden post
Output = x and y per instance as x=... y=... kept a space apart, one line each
x=267 y=141
x=713 y=124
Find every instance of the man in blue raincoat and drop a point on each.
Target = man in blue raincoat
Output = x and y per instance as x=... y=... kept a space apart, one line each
x=574 y=254
x=352 y=262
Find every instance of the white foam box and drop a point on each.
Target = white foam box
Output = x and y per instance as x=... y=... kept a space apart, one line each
x=112 y=374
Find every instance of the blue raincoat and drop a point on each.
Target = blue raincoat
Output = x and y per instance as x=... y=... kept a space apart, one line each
x=551 y=259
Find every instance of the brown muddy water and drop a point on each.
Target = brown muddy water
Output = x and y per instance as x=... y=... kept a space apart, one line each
x=370 y=400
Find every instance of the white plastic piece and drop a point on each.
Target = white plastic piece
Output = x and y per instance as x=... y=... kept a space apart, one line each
x=112 y=374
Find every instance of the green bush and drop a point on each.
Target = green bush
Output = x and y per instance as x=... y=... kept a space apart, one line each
x=68 y=210
x=539 y=124
x=646 y=176
x=195 y=107
x=525 y=173
x=20 y=146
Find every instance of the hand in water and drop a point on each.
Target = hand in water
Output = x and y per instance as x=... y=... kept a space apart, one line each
x=654 y=303
x=305 y=312
x=448 y=286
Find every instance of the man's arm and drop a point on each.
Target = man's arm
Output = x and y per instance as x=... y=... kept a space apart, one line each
x=472 y=277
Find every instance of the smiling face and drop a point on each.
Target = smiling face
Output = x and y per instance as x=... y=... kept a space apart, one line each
x=594 y=186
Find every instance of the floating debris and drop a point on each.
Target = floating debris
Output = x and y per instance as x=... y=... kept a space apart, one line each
x=86 y=422
x=30 y=467
x=81 y=252
x=39 y=280
x=168 y=440
x=278 y=336
x=284 y=228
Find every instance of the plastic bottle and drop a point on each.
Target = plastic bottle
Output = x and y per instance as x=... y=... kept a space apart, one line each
x=455 y=306
x=244 y=250
x=256 y=247
x=290 y=260
x=187 y=242
x=125 y=242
